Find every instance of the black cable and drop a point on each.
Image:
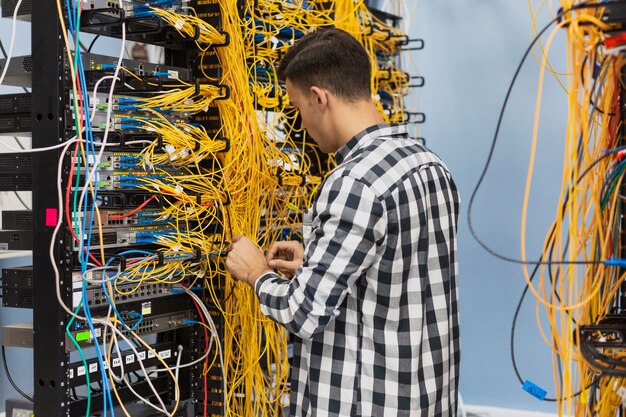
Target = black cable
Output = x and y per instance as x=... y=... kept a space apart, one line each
x=512 y=346
x=21 y=201
x=559 y=15
x=594 y=84
x=93 y=43
x=4 y=52
x=15 y=387
x=532 y=277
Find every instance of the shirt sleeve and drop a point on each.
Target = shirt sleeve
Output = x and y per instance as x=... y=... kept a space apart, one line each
x=347 y=228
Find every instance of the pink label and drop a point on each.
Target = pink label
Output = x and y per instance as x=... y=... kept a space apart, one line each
x=51 y=216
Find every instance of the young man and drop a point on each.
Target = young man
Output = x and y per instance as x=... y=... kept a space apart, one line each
x=373 y=300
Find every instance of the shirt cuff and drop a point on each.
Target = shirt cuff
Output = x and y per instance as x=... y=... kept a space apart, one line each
x=259 y=282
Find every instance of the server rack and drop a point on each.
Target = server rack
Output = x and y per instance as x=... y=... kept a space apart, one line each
x=59 y=372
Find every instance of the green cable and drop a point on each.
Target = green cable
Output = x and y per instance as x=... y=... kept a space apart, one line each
x=77 y=45
x=616 y=180
x=82 y=356
x=75 y=200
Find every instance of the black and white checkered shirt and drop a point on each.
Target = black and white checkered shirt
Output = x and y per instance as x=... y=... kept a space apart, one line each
x=374 y=306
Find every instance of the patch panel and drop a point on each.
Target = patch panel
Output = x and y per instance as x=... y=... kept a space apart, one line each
x=116 y=219
x=129 y=236
x=130 y=179
x=121 y=293
x=117 y=200
x=145 y=326
x=128 y=359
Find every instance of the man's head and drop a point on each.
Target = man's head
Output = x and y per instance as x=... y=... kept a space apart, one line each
x=329 y=58
x=327 y=74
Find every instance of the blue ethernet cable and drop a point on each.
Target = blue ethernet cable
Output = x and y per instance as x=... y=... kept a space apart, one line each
x=74 y=26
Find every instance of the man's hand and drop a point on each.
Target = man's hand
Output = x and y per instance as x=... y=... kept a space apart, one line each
x=286 y=256
x=245 y=261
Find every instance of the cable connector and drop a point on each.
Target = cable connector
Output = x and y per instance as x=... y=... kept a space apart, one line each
x=534 y=390
x=621 y=263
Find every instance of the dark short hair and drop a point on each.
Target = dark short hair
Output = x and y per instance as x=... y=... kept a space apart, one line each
x=330 y=58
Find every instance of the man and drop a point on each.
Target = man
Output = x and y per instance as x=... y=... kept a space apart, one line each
x=373 y=299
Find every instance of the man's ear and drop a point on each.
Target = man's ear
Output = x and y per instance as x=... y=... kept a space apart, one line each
x=319 y=96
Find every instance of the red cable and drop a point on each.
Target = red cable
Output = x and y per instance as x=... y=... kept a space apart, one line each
x=130 y=213
x=206 y=363
x=68 y=193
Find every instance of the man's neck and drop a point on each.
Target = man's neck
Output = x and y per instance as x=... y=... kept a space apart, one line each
x=352 y=118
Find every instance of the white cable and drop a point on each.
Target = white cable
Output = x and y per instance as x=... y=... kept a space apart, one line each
x=86 y=278
x=47 y=148
x=8 y=61
x=53 y=261
x=95 y=91
x=186 y=365
x=163 y=410
x=176 y=369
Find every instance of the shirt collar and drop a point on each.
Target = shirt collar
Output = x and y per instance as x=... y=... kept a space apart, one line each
x=372 y=132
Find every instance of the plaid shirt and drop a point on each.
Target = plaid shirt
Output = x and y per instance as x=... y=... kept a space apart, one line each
x=374 y=305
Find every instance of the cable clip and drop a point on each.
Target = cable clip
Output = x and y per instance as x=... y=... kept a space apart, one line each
x=198 y=252
x=226 y=144
x=419 y=47
x=419 y=117
x=228 y=201
x=420 y=82
x=161 y=259
x=226 y=92
x=226 y=40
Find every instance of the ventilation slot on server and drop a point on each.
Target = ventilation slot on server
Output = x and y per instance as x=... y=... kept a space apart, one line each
x=16 y=103
x=17 y=219
x=17 y=287
x=16 y=172
x=16 y=240
x=8 y=9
